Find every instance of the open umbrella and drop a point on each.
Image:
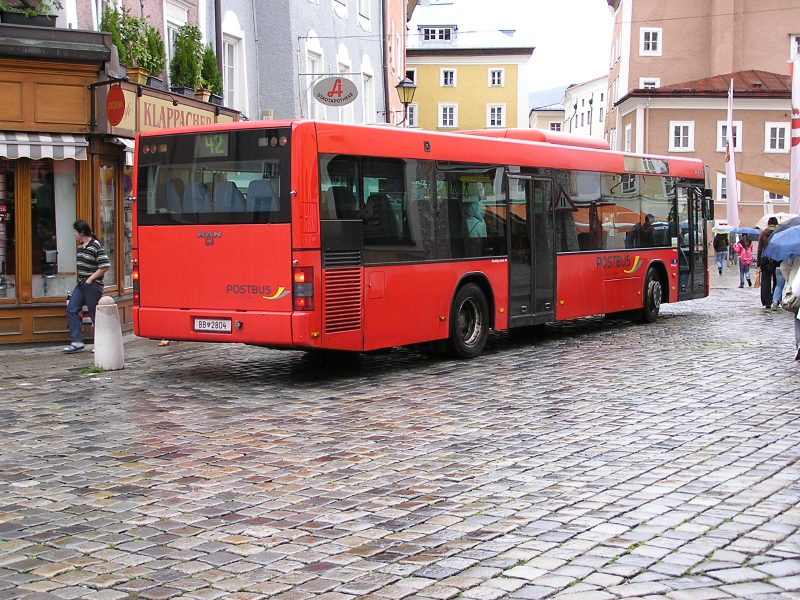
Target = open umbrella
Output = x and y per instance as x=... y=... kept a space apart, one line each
x=781 y=216
x=785 y=242
x=751 y=231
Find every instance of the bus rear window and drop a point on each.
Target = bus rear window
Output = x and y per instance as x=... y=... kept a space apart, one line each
x=214 y=178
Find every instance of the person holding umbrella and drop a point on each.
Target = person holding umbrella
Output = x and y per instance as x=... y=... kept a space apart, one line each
x=766 y=265
x=744 y=248
x=784 y=246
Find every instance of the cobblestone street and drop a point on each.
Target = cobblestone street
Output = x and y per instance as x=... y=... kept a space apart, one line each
x=602 y=460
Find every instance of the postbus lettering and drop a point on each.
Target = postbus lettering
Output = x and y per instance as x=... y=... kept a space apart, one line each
x=249 y=289
x=614 y=261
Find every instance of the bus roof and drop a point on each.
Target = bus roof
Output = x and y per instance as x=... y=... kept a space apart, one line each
x=507 y=146
x=541 y=135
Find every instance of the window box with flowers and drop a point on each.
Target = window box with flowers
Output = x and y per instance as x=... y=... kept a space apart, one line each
x=28 y=12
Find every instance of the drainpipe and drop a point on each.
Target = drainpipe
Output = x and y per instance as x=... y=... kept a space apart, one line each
x=384 y=60
x=218 y=31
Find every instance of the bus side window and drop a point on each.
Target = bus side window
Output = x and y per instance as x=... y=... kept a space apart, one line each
x=261 y=197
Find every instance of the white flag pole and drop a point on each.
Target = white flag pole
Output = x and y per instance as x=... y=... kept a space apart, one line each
x=794 y=181
x=731 y=187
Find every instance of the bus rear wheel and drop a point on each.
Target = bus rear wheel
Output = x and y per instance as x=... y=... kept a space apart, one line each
x=652 y=297
x=469 y=322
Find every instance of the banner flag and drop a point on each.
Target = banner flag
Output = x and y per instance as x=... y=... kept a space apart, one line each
x=731 y=187
x=794 y=179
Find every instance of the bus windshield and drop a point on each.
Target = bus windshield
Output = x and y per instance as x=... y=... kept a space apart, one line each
x=214 y=178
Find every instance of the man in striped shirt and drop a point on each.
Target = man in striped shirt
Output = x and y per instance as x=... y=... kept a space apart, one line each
x=92 y=265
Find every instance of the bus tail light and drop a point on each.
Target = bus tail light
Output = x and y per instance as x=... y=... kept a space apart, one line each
x=303 y=288
x=135 y=277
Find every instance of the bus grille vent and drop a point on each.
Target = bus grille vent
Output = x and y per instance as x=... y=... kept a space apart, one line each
x=342 y=300
x=341 y=259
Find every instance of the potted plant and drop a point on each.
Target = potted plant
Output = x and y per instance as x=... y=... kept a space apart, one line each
x=133 y=31
x=210 y=77
x=157 y=56
x=111 y=23
x=184 y=69
x=25 y=12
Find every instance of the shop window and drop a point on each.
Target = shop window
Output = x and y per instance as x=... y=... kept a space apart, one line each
x=52 y=215
x=8 y=277
x=127 y=226
x=107 y=232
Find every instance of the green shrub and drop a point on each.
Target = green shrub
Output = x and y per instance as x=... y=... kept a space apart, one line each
x=210 y=75
x=156 y=51
x=184 y=69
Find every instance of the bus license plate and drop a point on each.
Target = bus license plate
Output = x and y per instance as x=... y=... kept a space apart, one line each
x=214 y=325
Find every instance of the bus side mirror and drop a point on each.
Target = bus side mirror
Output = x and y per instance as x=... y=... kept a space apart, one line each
x=708 y=205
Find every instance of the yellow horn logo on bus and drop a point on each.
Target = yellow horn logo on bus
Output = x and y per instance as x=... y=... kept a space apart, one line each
x=277 y=295
x=637 y=264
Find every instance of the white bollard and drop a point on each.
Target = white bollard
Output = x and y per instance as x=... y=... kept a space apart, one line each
x=108 y=351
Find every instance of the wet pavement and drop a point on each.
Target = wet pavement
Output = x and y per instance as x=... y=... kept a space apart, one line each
x=601 y=460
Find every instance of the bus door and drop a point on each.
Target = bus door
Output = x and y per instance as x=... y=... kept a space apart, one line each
x=692 y=243
x=531 y=251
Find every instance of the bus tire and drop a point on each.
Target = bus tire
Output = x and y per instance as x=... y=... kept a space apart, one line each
x=652 y=297
x=469 y=322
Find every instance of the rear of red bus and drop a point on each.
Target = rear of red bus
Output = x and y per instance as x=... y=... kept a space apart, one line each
x=213 y=257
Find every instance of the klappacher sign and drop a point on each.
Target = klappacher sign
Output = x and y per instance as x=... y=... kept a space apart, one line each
x=335 y=91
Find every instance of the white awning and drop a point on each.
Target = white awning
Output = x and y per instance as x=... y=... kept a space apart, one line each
x=59 y=146
x=128 y=144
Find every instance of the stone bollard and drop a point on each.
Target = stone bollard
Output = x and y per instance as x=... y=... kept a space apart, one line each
x=108 y=351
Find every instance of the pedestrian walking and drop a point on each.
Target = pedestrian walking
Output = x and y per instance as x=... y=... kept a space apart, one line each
x=780 y=282
x=766 y=265
x=721 y=250
x=744 y=248
x=791 y=272
x=92 y=262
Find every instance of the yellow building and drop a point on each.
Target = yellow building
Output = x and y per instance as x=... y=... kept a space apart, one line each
x=465 y=80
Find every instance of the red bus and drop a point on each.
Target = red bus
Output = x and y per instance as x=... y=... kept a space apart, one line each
x=317 y=235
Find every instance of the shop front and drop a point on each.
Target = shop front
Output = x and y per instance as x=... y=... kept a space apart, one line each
x=62 y=160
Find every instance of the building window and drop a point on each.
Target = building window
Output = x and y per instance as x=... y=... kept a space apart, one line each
x=776 y=137
x=412 y=74
x=412 y=115
x=496 y=77
x=772 y=196
x=437 y=34
x=649 y=83
x=175 y=17
x=794 y=50
x=448 y=115
x=314 y=66
x=681 y=136
x=600 y=114
x=448 y=78
x=650 y=41
x=496 y=115
x=628 y=137
x=230 y=50
x=368 y=95
x=363 y=8
x=722 y=136
x=722 y=187
x=555 y=126
x=628 y=183
x=346 y=113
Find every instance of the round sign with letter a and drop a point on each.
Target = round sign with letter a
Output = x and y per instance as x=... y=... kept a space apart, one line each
x=115 y=104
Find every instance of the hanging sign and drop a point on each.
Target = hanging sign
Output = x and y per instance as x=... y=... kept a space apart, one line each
x=115 y=105
x=335 y=91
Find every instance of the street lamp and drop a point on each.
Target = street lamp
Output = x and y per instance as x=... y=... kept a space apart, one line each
x=405 y=90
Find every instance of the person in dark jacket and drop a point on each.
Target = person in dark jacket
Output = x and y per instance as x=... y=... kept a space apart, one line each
x=721 y=250
x=766 y=265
